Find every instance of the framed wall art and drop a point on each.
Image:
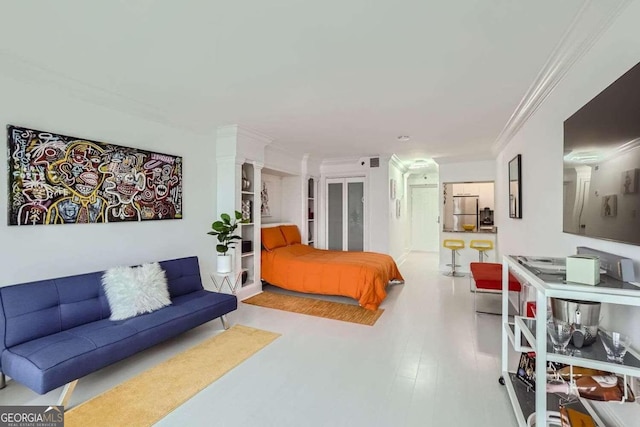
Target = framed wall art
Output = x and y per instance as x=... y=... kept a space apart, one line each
x=630 y=181
x=609 y=205
x=59 y=179
x=515 y=187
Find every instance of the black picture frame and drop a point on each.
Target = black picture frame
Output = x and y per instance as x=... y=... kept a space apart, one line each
x=515 y=187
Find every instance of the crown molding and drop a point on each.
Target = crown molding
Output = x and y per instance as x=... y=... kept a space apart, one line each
x=17 y=68
x=238 y=131
x=395 y=161
x=589 y=24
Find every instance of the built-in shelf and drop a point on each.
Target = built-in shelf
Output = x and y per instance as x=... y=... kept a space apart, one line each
x=250 y=232
x=311 y=209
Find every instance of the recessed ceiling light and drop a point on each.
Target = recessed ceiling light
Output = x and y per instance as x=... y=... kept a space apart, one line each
x=404 y=138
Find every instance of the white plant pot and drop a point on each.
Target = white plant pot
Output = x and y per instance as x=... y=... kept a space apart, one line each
x=224 y=263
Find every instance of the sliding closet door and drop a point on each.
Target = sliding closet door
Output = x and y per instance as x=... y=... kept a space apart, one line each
x=355 y=212
x=335 y=223
x=345 y=214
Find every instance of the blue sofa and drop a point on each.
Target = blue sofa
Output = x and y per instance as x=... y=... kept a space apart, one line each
x=53 y=332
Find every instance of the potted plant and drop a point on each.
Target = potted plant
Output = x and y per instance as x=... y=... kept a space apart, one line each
x=224 y=230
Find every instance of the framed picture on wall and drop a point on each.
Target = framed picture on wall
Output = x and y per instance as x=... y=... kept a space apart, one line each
x=264 y=200
x=515 y=187
x=398 y=207
x=62 y=179
x=392 y=188
x=630 y=181
x=609 y=205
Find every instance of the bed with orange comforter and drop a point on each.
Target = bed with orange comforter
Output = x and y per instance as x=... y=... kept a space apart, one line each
x=359 y=275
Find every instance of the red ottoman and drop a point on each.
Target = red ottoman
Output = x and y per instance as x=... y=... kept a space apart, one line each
x=488 y=278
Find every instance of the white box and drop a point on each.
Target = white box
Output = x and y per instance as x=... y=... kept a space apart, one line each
x=583 y=269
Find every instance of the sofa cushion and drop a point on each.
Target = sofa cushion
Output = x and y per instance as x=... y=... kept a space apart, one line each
x=183 y=276
x=196 y=301
x=82 y=300
x=135 y=290
x=28 y=318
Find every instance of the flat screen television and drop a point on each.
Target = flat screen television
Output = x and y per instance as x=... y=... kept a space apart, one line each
x=602 y=164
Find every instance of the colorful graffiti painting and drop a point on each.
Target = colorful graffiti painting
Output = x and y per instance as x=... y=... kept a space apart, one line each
x=58 y=179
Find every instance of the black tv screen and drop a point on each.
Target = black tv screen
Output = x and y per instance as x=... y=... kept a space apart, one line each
x=602 y=164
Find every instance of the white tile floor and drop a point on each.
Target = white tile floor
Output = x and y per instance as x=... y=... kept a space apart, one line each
x=428 y=361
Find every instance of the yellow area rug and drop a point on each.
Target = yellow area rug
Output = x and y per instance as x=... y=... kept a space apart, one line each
x=316 y=307
x=148 y=397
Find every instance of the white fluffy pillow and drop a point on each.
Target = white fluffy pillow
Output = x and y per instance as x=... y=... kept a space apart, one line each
x=135 y=290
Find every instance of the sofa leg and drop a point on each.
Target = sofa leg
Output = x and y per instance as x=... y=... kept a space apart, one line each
x=3 y=381
x=66 y=393
x=225 y=322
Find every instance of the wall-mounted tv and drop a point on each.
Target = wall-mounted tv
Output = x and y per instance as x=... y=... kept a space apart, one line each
x=602 y=164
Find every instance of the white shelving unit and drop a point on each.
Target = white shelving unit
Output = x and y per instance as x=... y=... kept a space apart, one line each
x=531 y=335
x=311 y=211
x=240 y=150
x=248 y=231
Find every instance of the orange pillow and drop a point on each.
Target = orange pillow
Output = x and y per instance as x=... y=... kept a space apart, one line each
x=291 y=234
x=272 y=238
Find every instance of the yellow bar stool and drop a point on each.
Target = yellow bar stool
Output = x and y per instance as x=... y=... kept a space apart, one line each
x=482 y=246
x=454 y=245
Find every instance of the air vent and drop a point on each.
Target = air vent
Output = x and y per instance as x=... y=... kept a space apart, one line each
x=374 y=162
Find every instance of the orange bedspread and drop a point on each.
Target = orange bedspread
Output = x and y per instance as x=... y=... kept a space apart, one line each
x=359 y=275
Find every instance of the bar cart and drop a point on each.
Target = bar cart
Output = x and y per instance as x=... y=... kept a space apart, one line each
x=529 y=334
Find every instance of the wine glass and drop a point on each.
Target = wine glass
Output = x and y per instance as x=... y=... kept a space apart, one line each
x=560 y=334
x=615 y=344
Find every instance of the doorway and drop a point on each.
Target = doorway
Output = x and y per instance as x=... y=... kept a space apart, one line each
x=345 y=214
x=424 y=218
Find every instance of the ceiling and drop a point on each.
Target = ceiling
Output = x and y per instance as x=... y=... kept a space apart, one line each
x=331 y=78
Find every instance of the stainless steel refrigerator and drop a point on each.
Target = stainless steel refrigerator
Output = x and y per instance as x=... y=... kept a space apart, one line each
x=465 y=211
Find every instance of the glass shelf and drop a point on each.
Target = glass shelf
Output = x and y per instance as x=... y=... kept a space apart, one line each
x=551 y=279
x=591 y=356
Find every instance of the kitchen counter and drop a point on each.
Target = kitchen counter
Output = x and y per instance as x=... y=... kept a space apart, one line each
x=493 y=230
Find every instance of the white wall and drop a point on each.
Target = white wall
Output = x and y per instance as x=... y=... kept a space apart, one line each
x=280 y=160
x=540 y=141
x=39 y=252
x=482 y=170
x=423 y=178
x=291 y=206
x=399 y=244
